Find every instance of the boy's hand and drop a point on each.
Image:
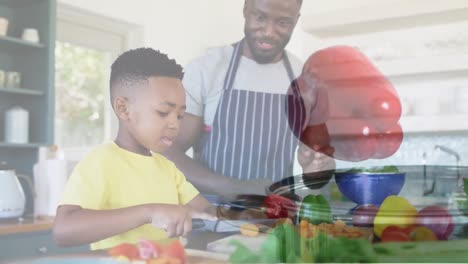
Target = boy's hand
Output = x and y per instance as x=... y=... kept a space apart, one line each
x=176 y=219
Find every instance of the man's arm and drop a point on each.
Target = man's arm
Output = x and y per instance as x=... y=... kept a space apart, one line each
x=201 y=177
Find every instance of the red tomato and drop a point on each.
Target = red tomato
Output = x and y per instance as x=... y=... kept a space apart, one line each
x=149 y=249
x=408 y=230
x=128 y=250
x=393 y=228
x=394 y=234
x=395 y=237
x=276 y=206
x=174 y=250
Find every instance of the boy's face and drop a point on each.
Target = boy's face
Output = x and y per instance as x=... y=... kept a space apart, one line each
x=155 y=113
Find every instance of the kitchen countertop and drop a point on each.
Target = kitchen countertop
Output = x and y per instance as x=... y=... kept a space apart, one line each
x=195 y=249
x=101 y=257
x=25 y=225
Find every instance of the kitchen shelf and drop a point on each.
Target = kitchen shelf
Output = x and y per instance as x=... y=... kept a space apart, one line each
x=16 y=3
x=16 y=145
x=11 y=43
x=21 y=91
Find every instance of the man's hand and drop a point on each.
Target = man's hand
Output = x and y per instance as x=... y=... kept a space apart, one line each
x=314 y=161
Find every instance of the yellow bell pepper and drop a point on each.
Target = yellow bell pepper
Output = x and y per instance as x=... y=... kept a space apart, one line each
x=395 y=210
x=422 y=233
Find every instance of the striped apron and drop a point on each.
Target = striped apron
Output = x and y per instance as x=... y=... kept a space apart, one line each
x=252 y=136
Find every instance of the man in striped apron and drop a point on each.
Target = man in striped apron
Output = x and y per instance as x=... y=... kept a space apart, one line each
x=242 y=119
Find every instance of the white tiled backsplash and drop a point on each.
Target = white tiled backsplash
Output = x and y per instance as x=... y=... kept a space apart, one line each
x=414 y=145
x=412 y=149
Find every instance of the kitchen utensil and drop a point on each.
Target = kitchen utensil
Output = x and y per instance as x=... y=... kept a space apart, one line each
x=3 y=26
x=369 y=188
x=31 y=35
x=100 y=257
x=426 y=189
x=223 y=226
x=249 y=201
x=50 y=177
x=2 y=78
x=13 y=79
x=17 y=125
x=12 y=198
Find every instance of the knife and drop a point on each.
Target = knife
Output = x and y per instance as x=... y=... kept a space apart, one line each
x=222 y=226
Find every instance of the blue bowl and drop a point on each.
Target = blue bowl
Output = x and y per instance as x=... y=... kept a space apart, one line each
x=369 y=188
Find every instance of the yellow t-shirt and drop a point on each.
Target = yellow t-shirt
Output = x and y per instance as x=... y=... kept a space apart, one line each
x=110 y=177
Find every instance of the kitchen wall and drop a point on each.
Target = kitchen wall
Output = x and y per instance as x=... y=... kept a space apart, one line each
x=185 y=29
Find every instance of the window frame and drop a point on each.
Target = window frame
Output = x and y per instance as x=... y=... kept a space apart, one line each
x=97 y=32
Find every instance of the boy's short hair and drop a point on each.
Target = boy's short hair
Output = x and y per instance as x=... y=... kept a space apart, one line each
x=138 y=65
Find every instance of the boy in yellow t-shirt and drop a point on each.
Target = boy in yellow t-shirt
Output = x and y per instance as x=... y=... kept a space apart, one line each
x=126 y=190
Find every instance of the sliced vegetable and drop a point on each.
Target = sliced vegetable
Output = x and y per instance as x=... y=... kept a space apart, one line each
x=127 y=250
x=276 y=206
x=315 y=209
x=174 y=250
x=394 y=234
x=151 y=252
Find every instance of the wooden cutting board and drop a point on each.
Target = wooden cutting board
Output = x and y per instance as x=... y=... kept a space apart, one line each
x=205 y=257
x=100 y=257
x=224 y=245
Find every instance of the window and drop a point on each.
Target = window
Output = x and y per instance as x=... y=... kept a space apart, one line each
x=80 y=82
x=86 y=46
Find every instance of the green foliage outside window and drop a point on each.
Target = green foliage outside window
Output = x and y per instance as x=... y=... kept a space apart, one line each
x=81 y=80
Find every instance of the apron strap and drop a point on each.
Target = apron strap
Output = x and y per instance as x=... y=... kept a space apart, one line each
x=234 y=65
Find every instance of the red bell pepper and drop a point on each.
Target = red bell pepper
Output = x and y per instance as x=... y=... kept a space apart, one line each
x=276 y=206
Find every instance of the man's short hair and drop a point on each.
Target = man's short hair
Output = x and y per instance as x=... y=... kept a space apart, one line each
x=139 y=65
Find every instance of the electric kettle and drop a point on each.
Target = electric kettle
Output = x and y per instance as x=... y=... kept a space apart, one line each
x=12 y=198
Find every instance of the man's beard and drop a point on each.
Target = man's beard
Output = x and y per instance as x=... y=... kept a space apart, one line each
x=263 y=57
